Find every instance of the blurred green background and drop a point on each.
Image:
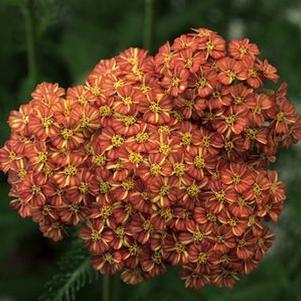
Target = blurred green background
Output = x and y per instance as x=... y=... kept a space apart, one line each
x=60 y=41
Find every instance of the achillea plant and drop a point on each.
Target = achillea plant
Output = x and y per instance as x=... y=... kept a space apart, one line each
x=159 y=160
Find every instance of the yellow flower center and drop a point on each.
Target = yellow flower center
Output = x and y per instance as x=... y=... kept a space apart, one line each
x=142 y=137
x=147 y=226
x=105 y=111
x=186 y=214
x=22 y=173
x=251 y=133
x=145 y=195
x=220 y=196
x=89 y=148
x=232 y=222
x=67 y=133
x=210 y=46
x=186 y=138
x=241 y=201
x=228 y=146
x=206 y=141
x=257 y=109
x=201 y=83
x=166 y=213
x=26 y=119
x=155 y=169
x=117 y=140
x=47 y=122
x=74 y=208
x=108 y=258
x=238 y=100
x=215 y=175
x=189 y=103
x=167 y=57
x=95 y=91
x=12 y=155
x=211 y=217
x=157 y=257
x=230 y=120
x=134 y=249
x=164 y=149
x=198 y=236
x=242 y=49
x=128 y=120
x=95 y=235
x=99 y=160
x=104 y=187
x=220 y=238
x=83 y=100
x=256 y=189
x=199 y=162
x=47 y=170
x=175 y=81
x=46 y=209
x=133 y=60
x=128 y=185
x=164 y=129
x=241 y=243
x=35 y=189
x=193 y=190
x=120 y=231
x=106 y=211
x=70 y=170
x=202 y=258
x=253 y=72
x=231 y=74
x=145 y=88
x=164 y=190
x=129 y=209
x=179 y=169
x=42 y=156
x=179 y=248
x=280 y=116
x=236 y=179
x=154 y=107
x=225 y=258
x=127 y=100
x=260 y=242
x=83 y=187
x=119 y=84
x=135 y=158
x=84 y=122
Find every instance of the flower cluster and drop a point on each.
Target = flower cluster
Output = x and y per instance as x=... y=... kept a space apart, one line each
x=160 y=160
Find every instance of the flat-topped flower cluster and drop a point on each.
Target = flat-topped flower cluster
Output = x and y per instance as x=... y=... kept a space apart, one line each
x=160 y=160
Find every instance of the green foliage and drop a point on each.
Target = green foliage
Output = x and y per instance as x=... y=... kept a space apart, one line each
x=74 y=272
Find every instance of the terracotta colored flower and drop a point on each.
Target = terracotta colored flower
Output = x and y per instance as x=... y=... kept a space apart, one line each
x=241 y=49
x=158 y=160
x=176 y=82
x=239 y=176
x=230 y=70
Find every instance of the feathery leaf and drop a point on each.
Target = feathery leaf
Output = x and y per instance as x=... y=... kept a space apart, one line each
x=75 y=271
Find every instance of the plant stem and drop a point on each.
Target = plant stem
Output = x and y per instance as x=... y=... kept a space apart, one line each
x=148 y=24
x=105 y=288
x=30 y=40
x=115 y=287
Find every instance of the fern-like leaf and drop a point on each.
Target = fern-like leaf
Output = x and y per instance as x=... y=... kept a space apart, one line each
x=75 y=271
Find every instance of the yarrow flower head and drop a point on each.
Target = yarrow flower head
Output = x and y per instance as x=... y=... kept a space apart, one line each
x=160 y=160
